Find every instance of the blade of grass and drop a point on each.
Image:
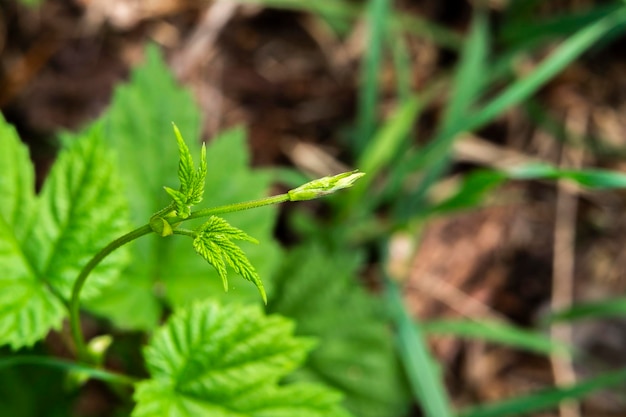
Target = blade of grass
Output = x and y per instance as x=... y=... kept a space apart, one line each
x=597 y=179
x=468 y=84
x=469 y=80
x=569 y=50
x=566 y=53
x=401 y=63
x=527 y=32
x=426 y=382
x=546 y=399
x=615 y=307
x=377 y=16
x=478 y=184
x=475 y=187
x=389 y=139
x=496 y=332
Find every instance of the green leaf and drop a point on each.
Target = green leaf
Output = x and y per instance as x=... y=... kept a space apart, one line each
x=81 y=209
x=426 y=381
x=546 y=399
x=316 y=287
x=138 y=131
x=227 y=362
x=474 y=189
x=612 y=307
x=78 y=212
x=192 y=182
x=213 y=242
x=503 y=333
x=17 y=184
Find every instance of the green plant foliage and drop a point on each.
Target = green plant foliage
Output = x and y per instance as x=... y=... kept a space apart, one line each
x=612 y=307
x=33 y=392
x=316 y=287
x=77 y=213
x=497 y=332
x=228 y=361
x=214 y=243
x=138 y=130
x=192 y=182
x=546 y=399
x=17 y=182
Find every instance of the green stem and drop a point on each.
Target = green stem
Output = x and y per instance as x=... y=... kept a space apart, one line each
x=185 y=232
x=246 y=205
x=74 y=305
x=96 y=373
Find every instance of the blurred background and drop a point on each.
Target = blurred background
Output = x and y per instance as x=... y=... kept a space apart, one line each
x=453 y=108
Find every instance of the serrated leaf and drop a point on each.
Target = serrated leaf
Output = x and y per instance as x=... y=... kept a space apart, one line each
x=227 y=362
x=191 y=181
x=316 y=288
x=139 y=132
x=214 y=243
x=81 y=209
x=78 y=212
x=17 y=184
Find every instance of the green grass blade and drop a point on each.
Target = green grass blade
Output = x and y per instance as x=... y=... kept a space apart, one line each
x=569 y=50
x=468 y=84
x=469 y=80
x=501 y=333
x=389 y=139
x=377 y=16
x=530 y=31
x=590 y=178
x=546 y=399
x=472 y=192
x=426 y=382
x=401 y=62
x=615 y=307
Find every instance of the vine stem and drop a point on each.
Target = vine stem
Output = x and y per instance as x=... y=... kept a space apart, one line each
x=246 y=205
x=96 y=373
x=74 y=306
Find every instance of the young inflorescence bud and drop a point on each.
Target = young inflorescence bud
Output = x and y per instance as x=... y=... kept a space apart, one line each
x=324 y=186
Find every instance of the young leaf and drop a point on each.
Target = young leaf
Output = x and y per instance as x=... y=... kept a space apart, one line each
x=214 y=243
x=316 y=287
x=191 y=182
x=77 y=213
x=227 y=361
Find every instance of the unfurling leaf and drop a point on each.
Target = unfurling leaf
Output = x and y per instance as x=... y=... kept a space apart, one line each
x=226 y=361
x=191 y=181
x=213 y=242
